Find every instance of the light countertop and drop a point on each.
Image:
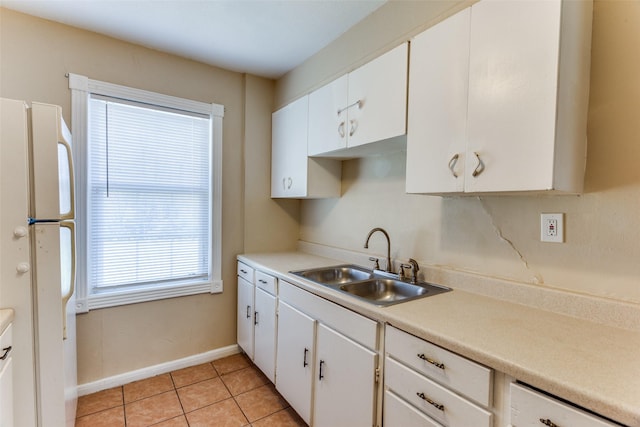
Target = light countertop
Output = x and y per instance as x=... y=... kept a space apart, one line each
x=6 y=317
x=593 y=365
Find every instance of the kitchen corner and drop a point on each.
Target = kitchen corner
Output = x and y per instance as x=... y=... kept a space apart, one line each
x=588 y=361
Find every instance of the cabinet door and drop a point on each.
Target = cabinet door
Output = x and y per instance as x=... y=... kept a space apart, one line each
x=289 y=150
x=295 y=358
x=437 y=116
x=380 y=87
x=265 y=333
x=513 y=79
x=245 y=316
x=344 y=383
x=327 y=121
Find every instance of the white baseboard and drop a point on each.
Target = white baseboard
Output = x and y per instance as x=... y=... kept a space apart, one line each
x=151 y=371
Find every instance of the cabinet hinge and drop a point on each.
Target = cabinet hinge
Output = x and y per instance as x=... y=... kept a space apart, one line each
x=377 y=375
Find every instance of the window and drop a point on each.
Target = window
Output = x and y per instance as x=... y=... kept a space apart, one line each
x=148 y=169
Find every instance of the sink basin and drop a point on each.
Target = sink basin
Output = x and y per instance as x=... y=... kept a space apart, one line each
x=382 y=291
x=376 y=287
x=336 y=275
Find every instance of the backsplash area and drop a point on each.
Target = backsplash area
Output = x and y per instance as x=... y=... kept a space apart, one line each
x=601 y=310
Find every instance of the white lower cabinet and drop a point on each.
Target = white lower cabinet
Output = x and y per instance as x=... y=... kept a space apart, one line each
x=295 y=358
x=436 y=401
x=245 y=316
x=256 y=317
x=446 y=389
x=345 y=383
x=326 y=362
x=532 y=408
x=265 y=333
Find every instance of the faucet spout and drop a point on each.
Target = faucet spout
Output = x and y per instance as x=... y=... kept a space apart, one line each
x=382 y=230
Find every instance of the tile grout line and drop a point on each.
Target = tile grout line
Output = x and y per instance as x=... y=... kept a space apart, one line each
x=124 y=407
x=175 y=389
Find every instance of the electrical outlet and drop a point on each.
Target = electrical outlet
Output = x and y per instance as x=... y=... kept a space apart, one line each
x=552 y=227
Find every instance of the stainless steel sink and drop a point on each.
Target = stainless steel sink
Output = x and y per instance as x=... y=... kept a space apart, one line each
x=376 y=287
x=336 y=275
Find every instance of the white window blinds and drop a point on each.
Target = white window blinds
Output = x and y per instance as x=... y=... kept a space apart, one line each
x=149 y=212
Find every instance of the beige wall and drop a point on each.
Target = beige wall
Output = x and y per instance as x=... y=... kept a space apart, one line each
x=35 y=55
x=270 y=224
x=498 y=236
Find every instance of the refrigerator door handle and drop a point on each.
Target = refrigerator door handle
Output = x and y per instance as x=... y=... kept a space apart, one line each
x=71 y=214
x=72 y=277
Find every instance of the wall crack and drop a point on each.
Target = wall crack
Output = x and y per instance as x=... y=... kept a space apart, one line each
x=537 y=277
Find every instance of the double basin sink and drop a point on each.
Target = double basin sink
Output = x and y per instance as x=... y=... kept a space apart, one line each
x=376 y=287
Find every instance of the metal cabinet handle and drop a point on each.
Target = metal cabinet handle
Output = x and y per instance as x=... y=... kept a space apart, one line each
x=6 y=350
x=438 y=406
x=243 y=271
x=358 y=103
x=248 y=311
x=255 y=318
x=354 y=127
x=289 y=182
x=479 y=167
x=452 y=164
x=341 y=129
x=548 y=422
x=321 y=375
x=304 y=358
x=433 y=362
x=264 y=282
x=284 y=183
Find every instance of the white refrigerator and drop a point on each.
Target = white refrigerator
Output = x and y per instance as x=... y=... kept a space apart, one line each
x=37 y=251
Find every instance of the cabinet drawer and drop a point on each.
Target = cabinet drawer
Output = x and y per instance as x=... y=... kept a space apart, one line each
x=531 y=408
x=444 y=406
x=397 y=412
x=462 y=375
x=245 y=272
x=266 y=282
x=5 y=344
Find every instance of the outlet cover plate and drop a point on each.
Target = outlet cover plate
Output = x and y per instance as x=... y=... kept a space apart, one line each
x=552 y=227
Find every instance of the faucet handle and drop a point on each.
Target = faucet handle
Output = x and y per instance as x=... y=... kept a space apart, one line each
x=414 y=270
x=377 y=265
x=401 y=274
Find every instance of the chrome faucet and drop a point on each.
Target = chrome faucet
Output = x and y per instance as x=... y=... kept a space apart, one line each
x=366 y=245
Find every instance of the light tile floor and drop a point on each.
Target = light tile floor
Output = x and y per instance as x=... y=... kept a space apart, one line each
x=226 y=392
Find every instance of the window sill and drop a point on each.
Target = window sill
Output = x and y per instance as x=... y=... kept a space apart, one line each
x=114 y=299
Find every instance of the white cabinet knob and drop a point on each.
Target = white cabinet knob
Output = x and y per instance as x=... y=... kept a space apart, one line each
x=20 y=231
x=23 y=267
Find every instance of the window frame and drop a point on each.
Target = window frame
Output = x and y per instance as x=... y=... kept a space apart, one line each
x=81 y=90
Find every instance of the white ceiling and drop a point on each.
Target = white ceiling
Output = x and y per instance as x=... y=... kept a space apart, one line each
x=262 y=37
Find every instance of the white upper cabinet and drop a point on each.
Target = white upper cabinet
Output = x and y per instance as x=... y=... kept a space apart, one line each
x=366 y=106
x=327 y=120
x=293 y=174
x=437 y=117
x=526 y=108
